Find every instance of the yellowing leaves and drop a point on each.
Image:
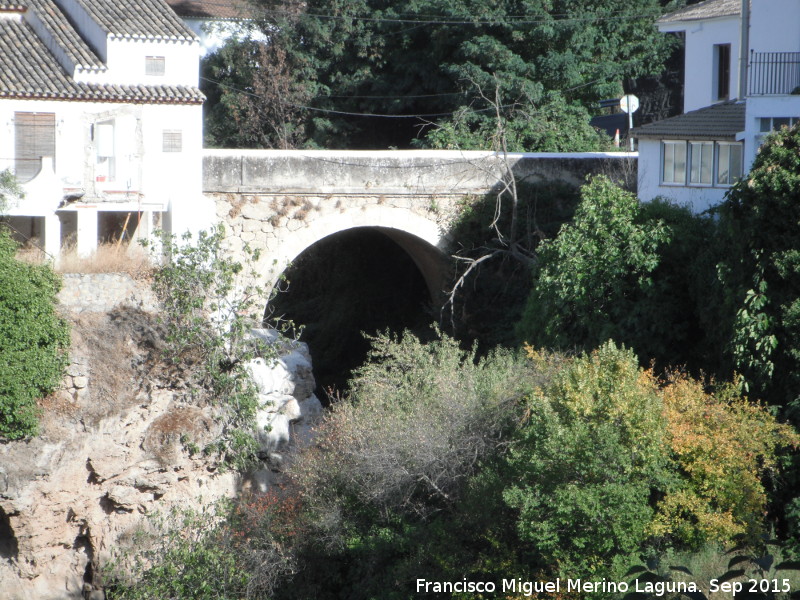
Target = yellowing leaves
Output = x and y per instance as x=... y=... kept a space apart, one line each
x=717 y=447
x=724 y=445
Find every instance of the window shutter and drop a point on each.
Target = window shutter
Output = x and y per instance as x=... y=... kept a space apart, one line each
x=35 y=137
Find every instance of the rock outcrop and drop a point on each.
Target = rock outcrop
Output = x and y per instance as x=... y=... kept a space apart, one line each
x=115 y=445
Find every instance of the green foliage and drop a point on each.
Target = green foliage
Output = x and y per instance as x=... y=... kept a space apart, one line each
x=761 y=272
x=9 y=188
x=590 y=279
x=33 y=340
x=210 y=304
x=183 y=556
x=553 y=126
x=254 y=93
x=760 y=218
x=587 y=462
x=402 y=464
x=762 y=571
x=541 y=59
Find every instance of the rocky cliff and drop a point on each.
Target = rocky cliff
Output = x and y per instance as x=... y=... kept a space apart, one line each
x=114 y=446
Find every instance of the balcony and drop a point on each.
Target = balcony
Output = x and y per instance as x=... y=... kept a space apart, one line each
x=774 y=73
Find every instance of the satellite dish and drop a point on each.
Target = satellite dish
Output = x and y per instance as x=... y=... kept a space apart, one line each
x=629 y=103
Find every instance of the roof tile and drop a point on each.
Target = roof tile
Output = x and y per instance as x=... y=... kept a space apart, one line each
x=718 y=122
x=152 y=19
x=213 y=9
x=29 y=70
x=709 y=9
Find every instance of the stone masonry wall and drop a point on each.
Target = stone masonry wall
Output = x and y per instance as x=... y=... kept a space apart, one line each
x=101 y=292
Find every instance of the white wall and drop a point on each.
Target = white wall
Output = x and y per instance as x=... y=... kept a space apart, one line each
x=126 y=63
x=775 y=25
x=141 y=164
x=764 y=106
x=650 y=187
x=175 y=178
x=701 y=36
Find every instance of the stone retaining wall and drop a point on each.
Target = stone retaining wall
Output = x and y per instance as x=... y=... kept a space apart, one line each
x=102 y=292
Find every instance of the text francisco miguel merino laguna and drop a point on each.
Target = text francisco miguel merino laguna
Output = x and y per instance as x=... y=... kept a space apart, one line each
x=528 y=588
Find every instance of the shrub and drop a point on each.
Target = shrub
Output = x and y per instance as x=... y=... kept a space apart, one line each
x=760 y=217
x=210 y=304
x=183 y=555
x=587 y=462
x=590 y=278
x=418 y=421
x=725 y=447
x=33 y=340
x=611 y=460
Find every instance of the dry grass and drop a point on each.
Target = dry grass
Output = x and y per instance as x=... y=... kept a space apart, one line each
x=108 y=258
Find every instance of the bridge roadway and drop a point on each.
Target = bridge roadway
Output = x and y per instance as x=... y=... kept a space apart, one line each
x=283 y=201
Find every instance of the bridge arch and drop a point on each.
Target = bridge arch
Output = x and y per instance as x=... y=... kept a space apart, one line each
x=419 y=237
x=283 y=227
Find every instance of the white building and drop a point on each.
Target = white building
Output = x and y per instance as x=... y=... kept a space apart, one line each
x=100 y=119
x=216 y=21
x=742 y=63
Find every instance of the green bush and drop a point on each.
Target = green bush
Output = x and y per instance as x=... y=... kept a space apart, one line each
x=588 y=461
x=33 y=340
x=183 y=555
x=210 y=304
x=641 y=274
x=590 y=278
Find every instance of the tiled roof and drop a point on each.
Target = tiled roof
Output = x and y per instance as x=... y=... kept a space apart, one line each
x=73 y=45
x=717 y=122
x=149 y=19
x=709 y=9
x=213 y=9
x=29 y=70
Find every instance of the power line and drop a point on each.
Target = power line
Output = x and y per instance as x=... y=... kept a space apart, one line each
x=467 y=19
x=353 y=114
x=502 y=20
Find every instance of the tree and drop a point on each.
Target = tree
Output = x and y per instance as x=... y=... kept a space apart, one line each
x=9 y=188
x=727 y=451
x=762 y=269
x=761 y=272
x=590 y=279
x=587 y=462
x=611 y=460
x=427 y=62
x=33 y=340
x=210 y=304
x=255 y=94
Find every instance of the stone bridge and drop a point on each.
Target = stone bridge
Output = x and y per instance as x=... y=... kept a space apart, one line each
x=282 y=201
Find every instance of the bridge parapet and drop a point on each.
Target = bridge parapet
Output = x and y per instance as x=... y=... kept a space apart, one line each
x=407 y=172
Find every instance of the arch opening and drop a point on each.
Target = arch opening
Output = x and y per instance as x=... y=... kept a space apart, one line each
x=365 y=279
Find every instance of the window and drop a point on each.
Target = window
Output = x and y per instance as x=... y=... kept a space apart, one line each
x=702 y=163
x=105 y=169
x=709 y=163
x=674 y=163
x=767 y=124
x=172 y=141
x=729 y=163
x=154 y=65
x=35 y=137
x=722 y=71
